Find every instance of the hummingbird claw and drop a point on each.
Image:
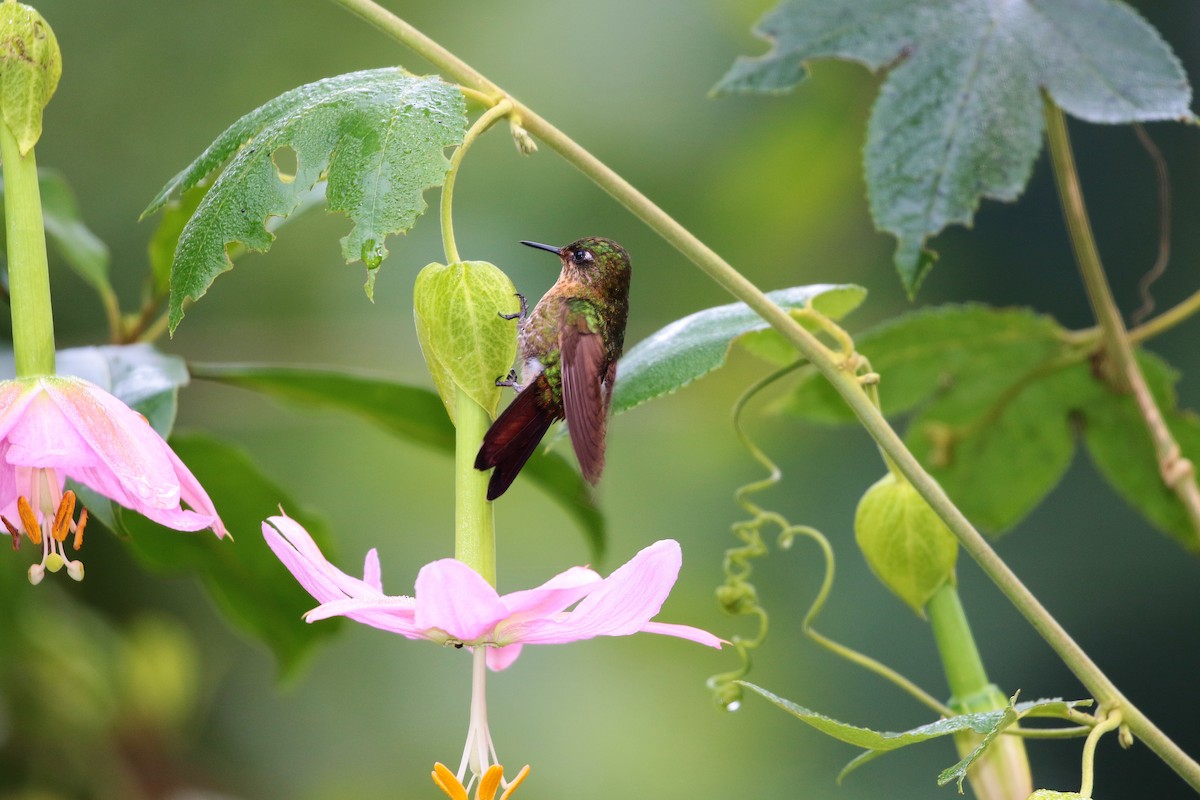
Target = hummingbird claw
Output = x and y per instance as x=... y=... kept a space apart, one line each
x=511 y=380
x=523 y=313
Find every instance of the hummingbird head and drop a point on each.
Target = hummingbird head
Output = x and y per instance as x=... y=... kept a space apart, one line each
x=590 y=259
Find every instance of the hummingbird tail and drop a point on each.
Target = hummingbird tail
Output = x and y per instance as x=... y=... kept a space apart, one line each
x=511 y=440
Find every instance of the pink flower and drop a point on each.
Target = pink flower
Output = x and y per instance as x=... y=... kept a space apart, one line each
x=454 y=605
x=56 y=427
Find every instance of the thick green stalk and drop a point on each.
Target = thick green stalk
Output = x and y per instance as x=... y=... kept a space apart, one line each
x=1002 y=773
x=28 y=271
x=1178 y=473
x=833 y=368
x=956 y=646
x=474 y=522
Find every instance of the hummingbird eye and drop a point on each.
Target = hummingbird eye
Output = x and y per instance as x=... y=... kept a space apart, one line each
x=581 y=256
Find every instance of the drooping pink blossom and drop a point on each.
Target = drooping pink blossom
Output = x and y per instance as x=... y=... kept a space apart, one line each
x=453 y=604
x=57 y=427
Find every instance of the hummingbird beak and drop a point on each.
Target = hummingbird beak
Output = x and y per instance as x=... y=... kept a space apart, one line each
x=548 y=247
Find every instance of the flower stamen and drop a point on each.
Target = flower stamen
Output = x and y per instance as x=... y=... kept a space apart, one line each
x=47 y=515
x=492 y=779
x=64 y=516
x=77 y=542
x=512 y=787
x=446 y=781
x=33 y=529
x=14 y=532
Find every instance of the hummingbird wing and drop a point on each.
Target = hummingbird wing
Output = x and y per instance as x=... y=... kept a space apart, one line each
x=587 y=379
x=513 y=437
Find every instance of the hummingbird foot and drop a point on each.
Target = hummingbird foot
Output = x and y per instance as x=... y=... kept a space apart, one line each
x=522 y=314
x=511 y=380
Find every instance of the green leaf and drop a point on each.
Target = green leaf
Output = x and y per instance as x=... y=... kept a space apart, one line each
x=161 y=250
x=959 y=117
x=906 y=544
x=999 y=455
x=1000 y=394
x=30 y=66
x=249 y=585
x=1050 y=794
x=994 y=426
x=987 y=724
x=377 y=136
x=410 y=413
x=937 y=351
x=83 y=251
x=691 y=347
x=1118 y=442
x=177 y=212
x=465 y=341
x=958 y=772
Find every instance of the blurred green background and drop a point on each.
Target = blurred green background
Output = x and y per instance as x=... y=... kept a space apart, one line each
x=773 y=184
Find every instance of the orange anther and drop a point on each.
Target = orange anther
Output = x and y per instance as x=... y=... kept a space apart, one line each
x=83 y=518
x=63 y=517
x=32 y=529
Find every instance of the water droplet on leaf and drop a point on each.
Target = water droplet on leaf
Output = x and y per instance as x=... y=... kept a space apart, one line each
x=372 y=253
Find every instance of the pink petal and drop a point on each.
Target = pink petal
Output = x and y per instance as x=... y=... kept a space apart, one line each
x=499 y=658
x=300 y=554
x=622 y=604
x=392 y=614
x=456 y=599
x=372 y=575
x=43 y=437
x=126 y=456
x=554 y=595
x=684 y=632
x=87 y=434
x=15 y=397
x=192 y=493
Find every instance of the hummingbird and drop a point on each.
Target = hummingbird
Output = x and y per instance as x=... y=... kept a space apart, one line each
x=568 y=348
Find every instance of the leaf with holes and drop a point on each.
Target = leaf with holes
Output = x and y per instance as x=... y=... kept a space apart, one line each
x=378 y=137
x=959 y=117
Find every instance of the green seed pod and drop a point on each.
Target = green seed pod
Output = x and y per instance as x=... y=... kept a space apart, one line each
x=30 y=66
x=906 y=544
x=465 y=342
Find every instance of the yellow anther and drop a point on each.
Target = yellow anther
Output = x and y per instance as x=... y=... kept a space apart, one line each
x=490 y=782
x=446 y=781
x=83 y=518
x=512 y=787
x=32 y=529
x=64 y=516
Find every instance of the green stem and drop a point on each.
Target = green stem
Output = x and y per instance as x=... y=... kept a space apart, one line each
x=28 y=271
x=474 y=522
x=1089 y=751
x=1166 y=320
x=956 y=646
x=1002 y=773
x=845 y=383
x=1178 y=473
x=485 y=121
